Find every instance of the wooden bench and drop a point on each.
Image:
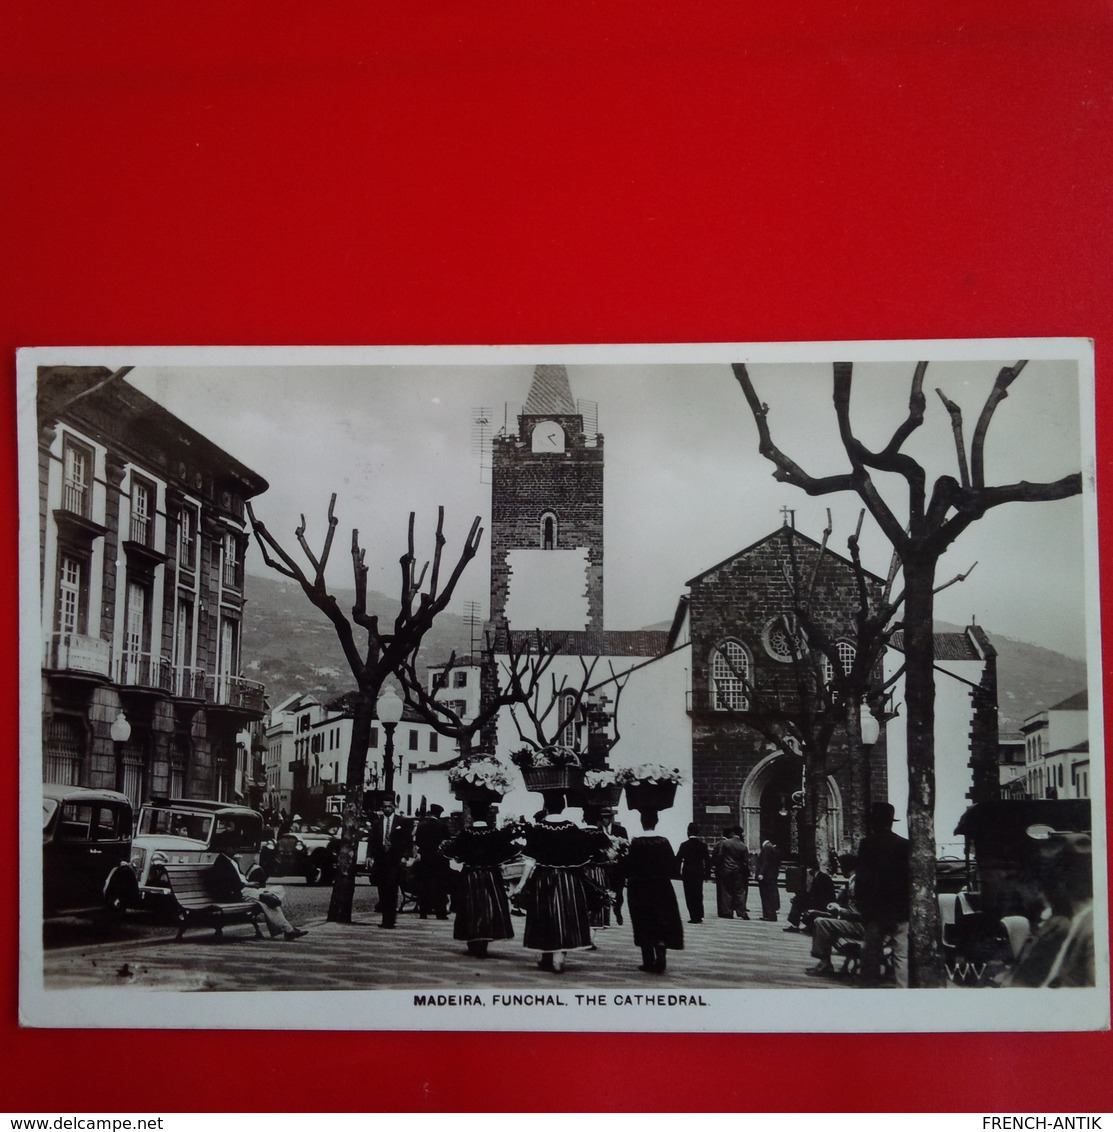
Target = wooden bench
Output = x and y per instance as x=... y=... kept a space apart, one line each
x=198 y=905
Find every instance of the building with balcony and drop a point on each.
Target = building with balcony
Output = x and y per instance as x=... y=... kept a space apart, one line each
x=142 y=537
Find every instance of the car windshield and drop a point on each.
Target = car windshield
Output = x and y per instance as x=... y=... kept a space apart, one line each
x=165 y=820
x=322 y=825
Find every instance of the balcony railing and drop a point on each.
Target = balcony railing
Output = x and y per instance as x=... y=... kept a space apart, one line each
x=75 y=652
x=144 y=670
x=234 y=691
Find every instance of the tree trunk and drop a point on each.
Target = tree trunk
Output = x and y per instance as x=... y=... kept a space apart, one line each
x=815 y=843
x=857 y=800
x=925 y=959
x=344 y=884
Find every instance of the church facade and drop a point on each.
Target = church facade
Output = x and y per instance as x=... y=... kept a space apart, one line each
x=681 y=705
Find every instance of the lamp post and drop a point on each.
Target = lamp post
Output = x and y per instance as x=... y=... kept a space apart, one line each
x=389 y=709
x=119 y=733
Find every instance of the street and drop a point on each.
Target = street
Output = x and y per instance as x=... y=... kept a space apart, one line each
x=417 y=954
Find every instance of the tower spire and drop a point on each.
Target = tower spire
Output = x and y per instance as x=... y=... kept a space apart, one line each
x=550 y=394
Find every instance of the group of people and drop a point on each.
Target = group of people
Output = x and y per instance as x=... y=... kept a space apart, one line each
x=729 y=864
x=575 y=878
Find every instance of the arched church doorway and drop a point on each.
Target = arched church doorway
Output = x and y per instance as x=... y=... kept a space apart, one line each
x=771 y=805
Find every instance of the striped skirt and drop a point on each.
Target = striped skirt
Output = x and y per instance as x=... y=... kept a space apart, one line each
x=482 y=910
x=556 y=910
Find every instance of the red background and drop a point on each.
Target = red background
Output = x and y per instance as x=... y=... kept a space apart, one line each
x=355 y=172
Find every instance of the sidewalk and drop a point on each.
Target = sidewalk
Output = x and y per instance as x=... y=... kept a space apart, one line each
x=421 y=954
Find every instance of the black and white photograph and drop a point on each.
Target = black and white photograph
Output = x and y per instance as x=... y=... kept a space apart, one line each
x=701 y=687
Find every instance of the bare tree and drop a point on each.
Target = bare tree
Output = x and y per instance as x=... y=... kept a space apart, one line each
x=381 y=653
x=523 y=670
x=933 y=523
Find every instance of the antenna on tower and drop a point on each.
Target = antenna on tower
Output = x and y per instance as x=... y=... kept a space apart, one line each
x=481 y=441
x=475 y=626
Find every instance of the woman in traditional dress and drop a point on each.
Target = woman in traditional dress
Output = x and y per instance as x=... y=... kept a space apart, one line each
x=651 y=898
x=480 y=903
x=597 y=877
x=553 y=893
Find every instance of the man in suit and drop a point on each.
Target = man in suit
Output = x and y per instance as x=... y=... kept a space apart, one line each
x=884 y=894
x=842 y=920
x=432 y=871
x=731 y=861
x=616 y=874
x=390 y=850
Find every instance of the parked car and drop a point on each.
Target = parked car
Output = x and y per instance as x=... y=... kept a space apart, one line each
x=86 y=851
x=190 y=831
x=311 y=847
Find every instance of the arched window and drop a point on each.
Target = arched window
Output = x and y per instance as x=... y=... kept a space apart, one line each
x=568 y=718
x=846 y=652
x=548 y=531
x=731 y=673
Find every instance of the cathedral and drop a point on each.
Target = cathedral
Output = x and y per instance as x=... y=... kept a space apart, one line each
x=687 y=694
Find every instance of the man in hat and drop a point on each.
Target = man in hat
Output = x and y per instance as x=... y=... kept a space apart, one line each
x=432 y=870
x=883 y=889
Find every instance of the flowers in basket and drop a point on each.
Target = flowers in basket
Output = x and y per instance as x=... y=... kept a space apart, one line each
x=648 y=772
x=481 y=771
x=600 y=780
x=530 y=758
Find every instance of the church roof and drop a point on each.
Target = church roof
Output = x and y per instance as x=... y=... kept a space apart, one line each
x=785 y=532
x=954 y=646
x=550 y=394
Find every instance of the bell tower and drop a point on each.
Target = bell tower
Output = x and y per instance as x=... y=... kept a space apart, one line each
x=547 y=513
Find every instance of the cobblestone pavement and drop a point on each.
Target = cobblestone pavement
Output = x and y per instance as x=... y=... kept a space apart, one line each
x=422 y=954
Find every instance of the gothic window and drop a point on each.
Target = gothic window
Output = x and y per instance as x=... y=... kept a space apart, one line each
x=846 y=653
x=731 y=673
x=779 y=643
x=548 y=531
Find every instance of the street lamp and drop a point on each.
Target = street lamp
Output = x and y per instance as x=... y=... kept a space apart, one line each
x=389 y=709
x=119 y=732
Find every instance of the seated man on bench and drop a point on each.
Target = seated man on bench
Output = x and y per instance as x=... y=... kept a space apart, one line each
x=228 y=879
x=843 y=921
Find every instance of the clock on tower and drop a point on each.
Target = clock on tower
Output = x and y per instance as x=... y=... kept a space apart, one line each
x=547 y=436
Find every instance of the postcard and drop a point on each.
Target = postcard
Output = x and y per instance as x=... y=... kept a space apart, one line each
x=690 y=687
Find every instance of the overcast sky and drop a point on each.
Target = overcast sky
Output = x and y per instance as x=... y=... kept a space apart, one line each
x=685 y=485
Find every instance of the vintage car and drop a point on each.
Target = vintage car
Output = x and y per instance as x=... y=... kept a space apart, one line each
x=310 y=848
x=86 y=851
x=1008 y=848
x=190 y=831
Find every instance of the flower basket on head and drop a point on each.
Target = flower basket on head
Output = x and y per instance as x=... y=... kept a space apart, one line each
x=649 y=786
x=481 y=780
x=600 y=788
x=549 y=768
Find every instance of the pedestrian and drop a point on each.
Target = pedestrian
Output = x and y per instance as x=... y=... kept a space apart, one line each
x=731 y=861
x=651 y=898
x=230 y=884
x=480 y=905
x=767 y=871
x=694 y=859
x=843 y=920
x=597 y=879
x=432 y=872
x=552 y=892
x=620 y=842
x=884 y=895
x=817 y=893
x=390 y=851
